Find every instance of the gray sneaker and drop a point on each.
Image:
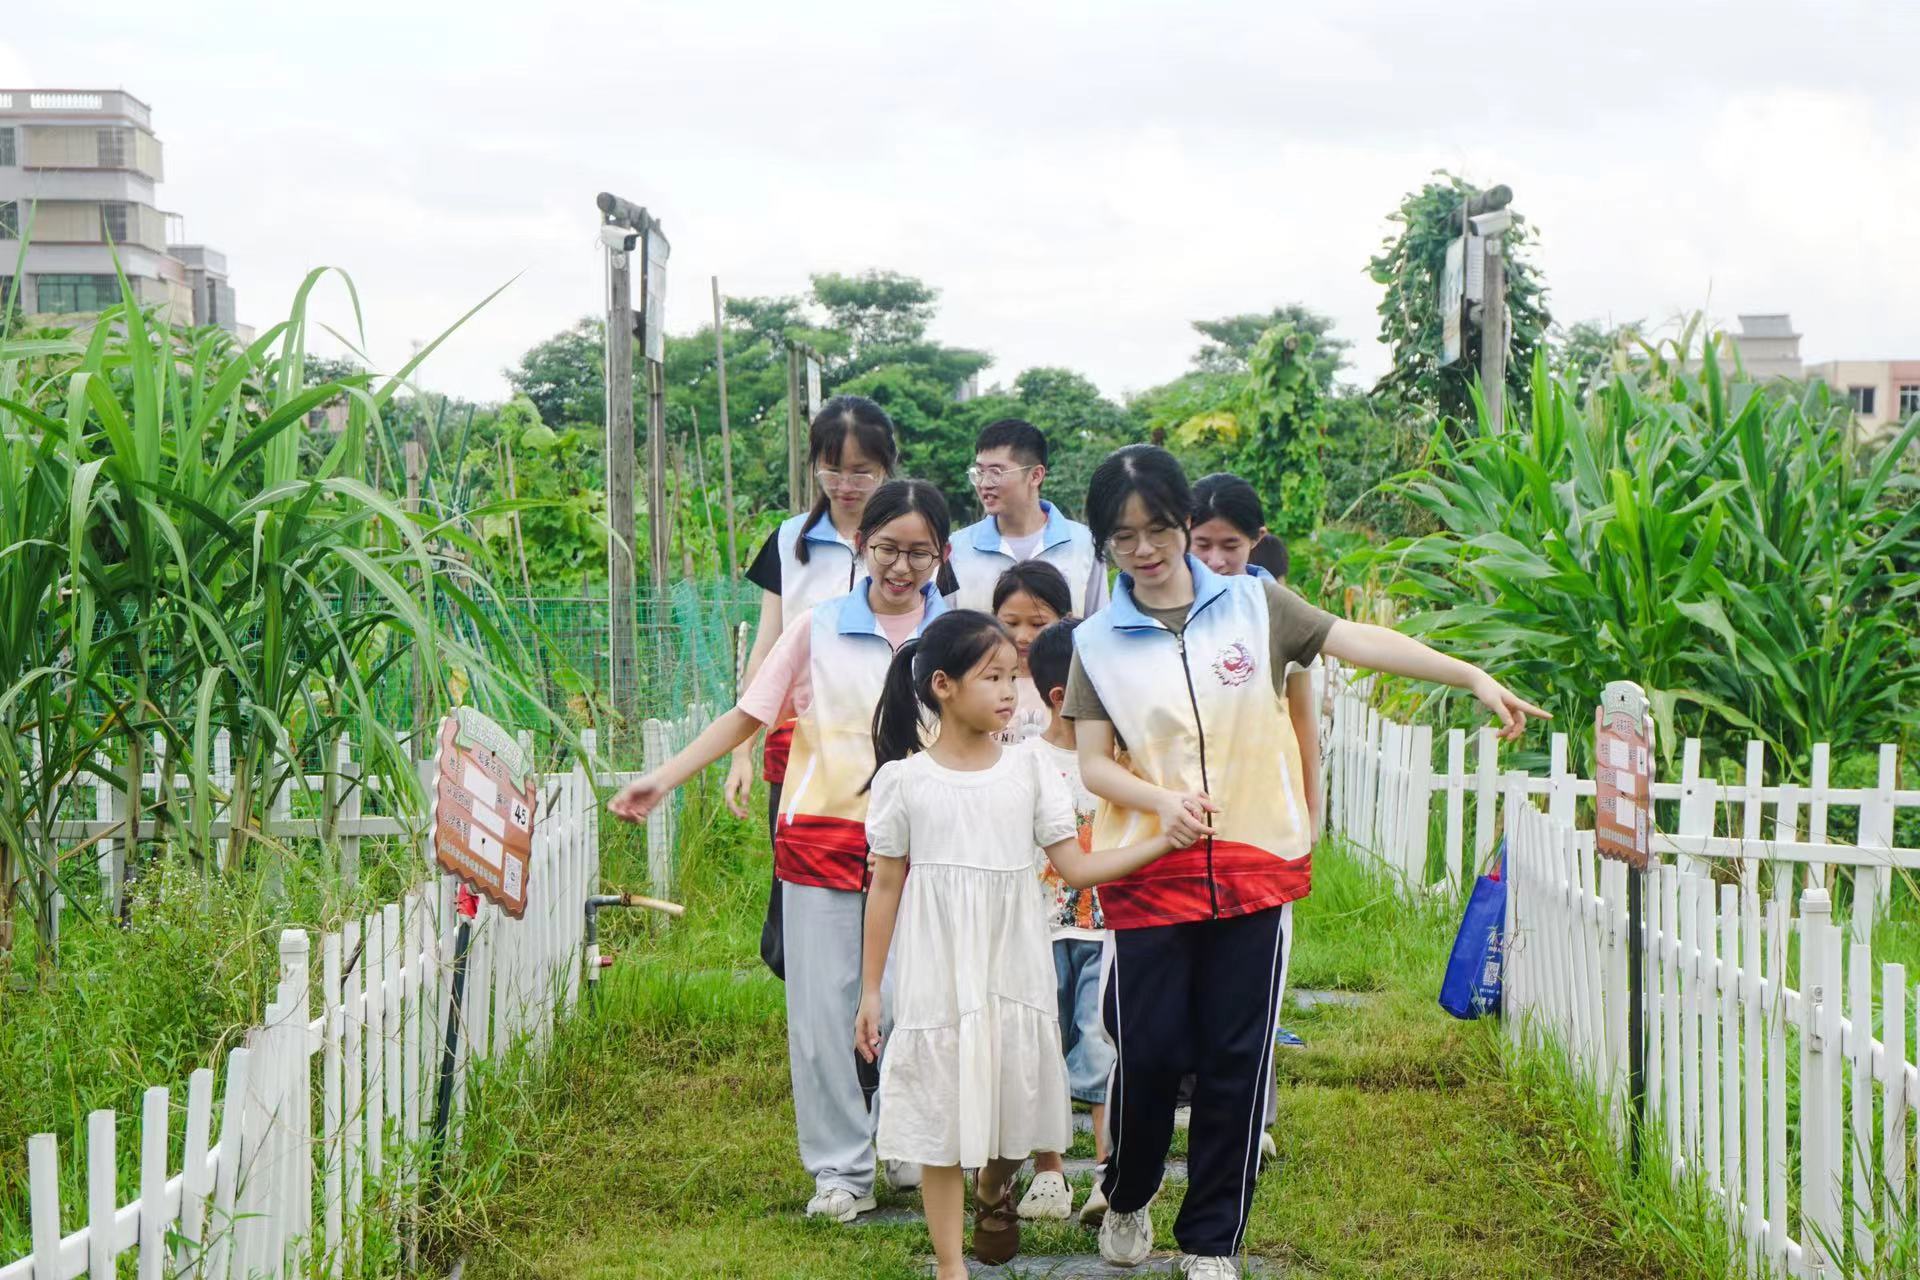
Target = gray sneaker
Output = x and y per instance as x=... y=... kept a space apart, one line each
x=1126 y=1238
x=1196 y=1268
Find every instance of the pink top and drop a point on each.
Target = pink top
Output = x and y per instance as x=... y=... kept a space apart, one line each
x=783 y=688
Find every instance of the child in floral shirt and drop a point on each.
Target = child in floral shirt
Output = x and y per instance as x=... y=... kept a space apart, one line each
x=1079 y=933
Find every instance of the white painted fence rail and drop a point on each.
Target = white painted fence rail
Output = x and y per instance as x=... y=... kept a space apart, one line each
x=1383 y=785
x=316 y=1138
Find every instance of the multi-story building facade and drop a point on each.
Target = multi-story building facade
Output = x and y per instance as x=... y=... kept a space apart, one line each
x=1884 y=393
x=79 y=170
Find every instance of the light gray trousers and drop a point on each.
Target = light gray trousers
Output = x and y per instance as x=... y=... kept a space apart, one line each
x=823 y=931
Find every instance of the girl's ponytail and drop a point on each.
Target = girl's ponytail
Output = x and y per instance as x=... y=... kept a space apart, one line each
x=955 y=643
x=896 y=719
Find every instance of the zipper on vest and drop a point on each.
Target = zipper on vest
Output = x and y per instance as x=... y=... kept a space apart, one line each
x=1200 y=732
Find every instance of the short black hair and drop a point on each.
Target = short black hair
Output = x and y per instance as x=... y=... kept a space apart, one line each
x=1224 y=496
x=1145 y=470
x=1038 y=579
x=1026 y=440
x=1050 y=656
x=1270 y=554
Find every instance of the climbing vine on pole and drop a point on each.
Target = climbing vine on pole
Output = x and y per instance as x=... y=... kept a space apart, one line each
x=1286 y=427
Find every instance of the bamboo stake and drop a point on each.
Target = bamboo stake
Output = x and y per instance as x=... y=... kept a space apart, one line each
x=726 y=432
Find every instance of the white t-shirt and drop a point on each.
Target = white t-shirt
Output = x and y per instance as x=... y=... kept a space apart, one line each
x=1028 y=547
x=1071 y=913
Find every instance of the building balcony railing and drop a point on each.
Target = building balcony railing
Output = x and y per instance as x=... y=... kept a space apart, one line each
x=71 y=102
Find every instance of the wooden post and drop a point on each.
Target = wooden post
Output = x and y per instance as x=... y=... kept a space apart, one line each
x=796 y=435
x=414 y=458
x=726 y=433
x=622 y=599
x=1493 y=334
x=657 y=511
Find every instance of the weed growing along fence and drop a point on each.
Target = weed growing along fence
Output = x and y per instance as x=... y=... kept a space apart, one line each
x=316 y=1155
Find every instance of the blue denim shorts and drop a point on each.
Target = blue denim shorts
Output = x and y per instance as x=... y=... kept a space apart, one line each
x=1076 y=964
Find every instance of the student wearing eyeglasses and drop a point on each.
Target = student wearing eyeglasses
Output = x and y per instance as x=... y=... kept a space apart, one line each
x=1009 y=466
x=809 y=558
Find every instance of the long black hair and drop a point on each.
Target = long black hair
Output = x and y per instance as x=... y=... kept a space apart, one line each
x=955 y=643
x=1143 y=470
x=903 y=497
x=1038 y=579
x=1224 y=496
x=840 y=419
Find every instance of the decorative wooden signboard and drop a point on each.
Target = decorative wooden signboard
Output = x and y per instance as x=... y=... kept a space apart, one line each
x=485 y=798
x=1623 y=775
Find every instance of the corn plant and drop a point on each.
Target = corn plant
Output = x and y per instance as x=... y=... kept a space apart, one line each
x=1720 y=542
x=172 y=568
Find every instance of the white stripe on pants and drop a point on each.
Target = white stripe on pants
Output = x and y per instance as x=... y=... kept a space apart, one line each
x=823 y=930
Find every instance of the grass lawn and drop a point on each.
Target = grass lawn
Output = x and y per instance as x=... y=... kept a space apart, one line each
x=661 y=1141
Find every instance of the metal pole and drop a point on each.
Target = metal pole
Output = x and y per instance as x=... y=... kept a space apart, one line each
x=726 y=433
x=1493 y=335
x=622 y=599
x=443 y=1106
x=1636 y=1015
x=657 y=475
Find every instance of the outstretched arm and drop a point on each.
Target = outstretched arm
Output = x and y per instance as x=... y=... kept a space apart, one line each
x=641 y=796
x=883 y=907
x=1082 y=869
x=1361 y=644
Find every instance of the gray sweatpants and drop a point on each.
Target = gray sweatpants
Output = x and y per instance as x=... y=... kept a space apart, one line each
x=823 y=928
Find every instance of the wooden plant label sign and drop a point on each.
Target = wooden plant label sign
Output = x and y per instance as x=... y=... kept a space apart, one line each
x=1623 y=775
x=484 y=807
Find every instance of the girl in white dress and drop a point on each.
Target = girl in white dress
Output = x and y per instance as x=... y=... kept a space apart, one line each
x=972 y=1074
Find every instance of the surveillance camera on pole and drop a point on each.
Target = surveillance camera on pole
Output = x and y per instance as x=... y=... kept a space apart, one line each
x=1494 y=223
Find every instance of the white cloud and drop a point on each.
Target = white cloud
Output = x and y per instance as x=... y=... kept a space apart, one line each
x=1079 y=180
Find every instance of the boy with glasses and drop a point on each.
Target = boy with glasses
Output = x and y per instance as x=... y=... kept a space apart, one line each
x=1009 y=466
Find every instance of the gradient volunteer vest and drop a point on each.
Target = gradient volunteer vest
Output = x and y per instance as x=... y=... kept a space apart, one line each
x=1198 y=712
x=820 y=837
x=828 y=573
x=980 y=556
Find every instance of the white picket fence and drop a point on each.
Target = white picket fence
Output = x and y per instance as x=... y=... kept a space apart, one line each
x=1724 y=1035
x=1731 y=1049
x=1383 y=785
x=325 y=1112
x=660 y=740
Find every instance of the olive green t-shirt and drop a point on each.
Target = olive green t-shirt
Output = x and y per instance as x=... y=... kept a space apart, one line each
x=1296 y=630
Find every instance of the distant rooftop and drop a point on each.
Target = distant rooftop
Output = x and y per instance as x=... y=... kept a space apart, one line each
x=70 y=102
x=1767 y=326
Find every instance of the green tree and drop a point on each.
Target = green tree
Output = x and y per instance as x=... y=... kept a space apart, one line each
x=1409 y=266
x=565 y=376
x=1587 y=353
x=1230 y=341
x=1285 y=430
x=876 y=308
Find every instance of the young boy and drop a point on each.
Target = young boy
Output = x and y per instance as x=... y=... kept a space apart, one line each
x=1009 y=466
x=1079 y=933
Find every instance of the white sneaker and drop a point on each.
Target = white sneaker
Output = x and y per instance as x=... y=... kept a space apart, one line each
x=903 y=1175
x=1182 y=1117
x=1267 y=1149
x=1095 y=1209
x=839 y=1204
x=1049 y=1197
x=1126 y=1238
x=1196 y=1268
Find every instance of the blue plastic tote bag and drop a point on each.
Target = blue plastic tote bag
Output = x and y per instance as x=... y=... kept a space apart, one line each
x=1471 y=987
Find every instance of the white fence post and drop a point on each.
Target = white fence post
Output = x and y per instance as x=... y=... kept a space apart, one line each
x=1821 y=1184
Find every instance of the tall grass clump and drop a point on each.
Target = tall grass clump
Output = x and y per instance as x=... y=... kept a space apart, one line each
x=180 y=554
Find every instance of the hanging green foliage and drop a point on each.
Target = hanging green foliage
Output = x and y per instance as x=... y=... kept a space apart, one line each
x=1410 y=265
x=1285 y=421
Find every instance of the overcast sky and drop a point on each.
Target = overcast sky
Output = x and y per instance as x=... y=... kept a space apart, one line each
x=1079 y=180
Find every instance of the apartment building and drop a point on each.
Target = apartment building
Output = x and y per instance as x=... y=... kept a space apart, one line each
x=1884 y=393
x=79 y=175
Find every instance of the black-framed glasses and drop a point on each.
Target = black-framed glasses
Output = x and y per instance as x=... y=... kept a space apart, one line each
x=886 y=554
x=1127 y=541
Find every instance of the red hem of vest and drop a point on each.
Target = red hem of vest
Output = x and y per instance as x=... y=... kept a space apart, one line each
x=1177 y=890
x=773 y=757
x=827 y=853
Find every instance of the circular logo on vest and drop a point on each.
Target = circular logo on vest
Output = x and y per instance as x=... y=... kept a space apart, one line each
x=1234 y=665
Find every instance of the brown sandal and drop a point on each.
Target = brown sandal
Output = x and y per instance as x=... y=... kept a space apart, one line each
x=996 y=1228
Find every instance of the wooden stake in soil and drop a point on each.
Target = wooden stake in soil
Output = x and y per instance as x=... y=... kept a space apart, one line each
x=726 y=432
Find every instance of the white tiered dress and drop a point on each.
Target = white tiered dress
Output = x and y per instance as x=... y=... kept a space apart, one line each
x=972 y=1069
